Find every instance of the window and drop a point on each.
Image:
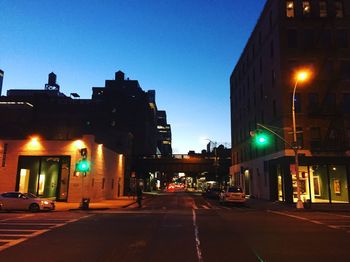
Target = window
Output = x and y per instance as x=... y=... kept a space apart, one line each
x=345 y=70
x=313 y=102
x=308 y=38
x=292 y=38
x=103 y=183
x=290 y=8
x=315 y=135
x=306 y=8
x=323 y=8
x=339 y=12
x=342 y=38
x=330 y=102
x=346 y=103
x=325 y=39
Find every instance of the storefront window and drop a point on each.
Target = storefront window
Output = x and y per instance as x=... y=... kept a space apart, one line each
x=44 y=176
x=319 y=184
x=338 y=184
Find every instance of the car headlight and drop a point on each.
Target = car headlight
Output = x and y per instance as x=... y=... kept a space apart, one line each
x=44 y=202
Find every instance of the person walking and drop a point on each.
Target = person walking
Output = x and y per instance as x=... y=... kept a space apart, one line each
x=139 y=196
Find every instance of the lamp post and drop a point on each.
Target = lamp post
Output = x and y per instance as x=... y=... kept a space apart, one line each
x=301 y=76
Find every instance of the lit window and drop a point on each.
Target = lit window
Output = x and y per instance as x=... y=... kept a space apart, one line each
x=290 y=8
x=323 y=8
x=306 y=8
x=339 y=9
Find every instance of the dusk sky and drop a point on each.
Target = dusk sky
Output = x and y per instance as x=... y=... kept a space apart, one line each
x=185 y=50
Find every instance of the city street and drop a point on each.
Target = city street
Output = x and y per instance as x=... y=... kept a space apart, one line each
x=175 y=227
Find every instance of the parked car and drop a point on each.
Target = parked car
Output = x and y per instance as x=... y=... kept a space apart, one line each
x=24 y=201
x=232 y=194
x=212 y=193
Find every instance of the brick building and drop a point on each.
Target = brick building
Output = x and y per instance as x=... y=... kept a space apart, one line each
x=290 y=35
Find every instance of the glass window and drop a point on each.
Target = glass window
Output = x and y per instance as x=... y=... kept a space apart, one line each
x=338 y=184
x=323 y=8
x=330 y=102
x=308 y=38
x=292 y=38
x=345 y=70
x=346 y=103
x=313 y=100
x=342 y=38
x=319 y=184
x=290 y=8
x=306 y=8
x=315 y=141
x=325 y=39
x=339 y=12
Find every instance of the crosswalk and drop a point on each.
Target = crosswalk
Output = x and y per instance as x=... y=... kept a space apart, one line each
x=18 y=229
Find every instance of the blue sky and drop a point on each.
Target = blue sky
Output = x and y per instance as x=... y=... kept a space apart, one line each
x=185 y=50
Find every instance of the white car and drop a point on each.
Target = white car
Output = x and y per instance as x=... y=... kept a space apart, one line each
x=24 y=201
x=232 y=194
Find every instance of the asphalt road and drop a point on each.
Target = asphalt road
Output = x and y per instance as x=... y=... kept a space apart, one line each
x=175 y=227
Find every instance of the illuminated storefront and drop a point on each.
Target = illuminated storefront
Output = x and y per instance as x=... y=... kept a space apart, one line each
x=322 y=180
x=45 y=176
x=50 y=169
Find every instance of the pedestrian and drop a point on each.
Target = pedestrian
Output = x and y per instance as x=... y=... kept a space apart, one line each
x=139 y=196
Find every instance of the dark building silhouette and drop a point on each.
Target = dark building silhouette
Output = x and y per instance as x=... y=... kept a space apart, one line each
x=121 y=116
x=164 y=134
x=1 y=80
x=290 y=35
x=130 y=109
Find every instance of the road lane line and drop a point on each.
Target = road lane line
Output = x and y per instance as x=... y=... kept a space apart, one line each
x=198 y=243
x=205 y=207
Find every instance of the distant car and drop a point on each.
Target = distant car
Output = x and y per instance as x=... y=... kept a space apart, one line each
x=24 y=201
x=232 y=194
x=212 y=193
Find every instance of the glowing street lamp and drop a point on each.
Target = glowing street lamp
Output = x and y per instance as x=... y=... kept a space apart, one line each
x=300 y=76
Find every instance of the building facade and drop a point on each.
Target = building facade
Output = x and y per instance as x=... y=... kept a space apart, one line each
x=288 y=36
x=47 y=168
x=121 y=118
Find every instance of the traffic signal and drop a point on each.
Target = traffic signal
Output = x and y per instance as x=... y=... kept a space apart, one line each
x=260 y=138
x=82 y=166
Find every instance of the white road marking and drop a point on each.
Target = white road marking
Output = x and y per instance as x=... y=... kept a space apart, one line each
x=34 y=233
x=205 y=207
x=198 y=243
x=312 y=220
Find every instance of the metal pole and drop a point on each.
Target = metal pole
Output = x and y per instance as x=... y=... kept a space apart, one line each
x=295 y=145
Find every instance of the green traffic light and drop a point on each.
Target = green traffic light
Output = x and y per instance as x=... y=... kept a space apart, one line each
x=261 y=139
x=82 y=166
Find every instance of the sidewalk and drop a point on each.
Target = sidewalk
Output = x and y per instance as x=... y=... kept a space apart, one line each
x=104 y=204
x=279 y=206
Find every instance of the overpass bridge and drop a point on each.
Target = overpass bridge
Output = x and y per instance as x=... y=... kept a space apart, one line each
x=180 y=163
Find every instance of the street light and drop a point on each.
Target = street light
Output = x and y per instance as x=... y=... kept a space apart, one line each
x=300 y=76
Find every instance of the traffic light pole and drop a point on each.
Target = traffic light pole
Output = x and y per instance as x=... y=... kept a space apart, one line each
x=295 y=149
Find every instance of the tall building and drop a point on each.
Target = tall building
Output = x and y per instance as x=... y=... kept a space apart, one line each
x=164 y=134
x=1 y=79
x=288 y=36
